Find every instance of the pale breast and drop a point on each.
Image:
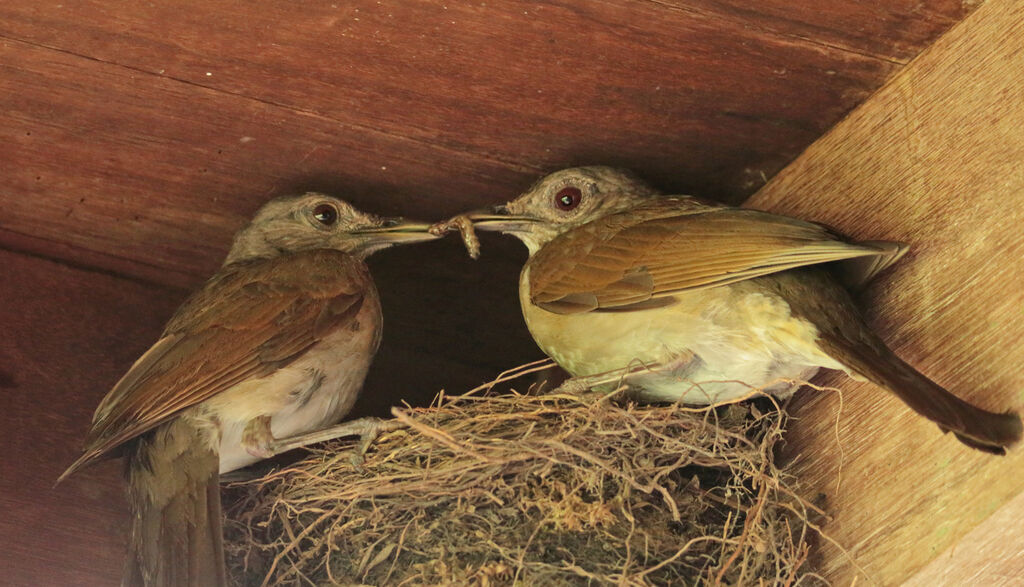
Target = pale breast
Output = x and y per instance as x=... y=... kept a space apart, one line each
x=710 y=345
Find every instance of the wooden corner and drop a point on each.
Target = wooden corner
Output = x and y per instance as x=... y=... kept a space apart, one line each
x=934 y=159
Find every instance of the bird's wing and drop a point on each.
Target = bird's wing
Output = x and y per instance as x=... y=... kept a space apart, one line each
x=642 y=257
x=246 y=322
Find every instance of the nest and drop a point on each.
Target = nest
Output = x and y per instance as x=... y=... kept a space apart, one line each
x=534 y=489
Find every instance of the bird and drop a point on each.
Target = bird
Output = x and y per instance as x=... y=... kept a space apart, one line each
x=685 y=300
x=270 y=351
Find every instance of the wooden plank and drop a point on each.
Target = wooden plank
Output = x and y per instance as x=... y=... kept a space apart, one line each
x=703 y=102
x=992 y=554
x=889 y=29
x=152 y=179
x=67 y=337
x=933 y=159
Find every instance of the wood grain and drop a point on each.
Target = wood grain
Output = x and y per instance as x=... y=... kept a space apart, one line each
x=67 y=337
x=153 y=179
x=701 y=102
x=896 y=30
x=933 y=159
x=992 y=554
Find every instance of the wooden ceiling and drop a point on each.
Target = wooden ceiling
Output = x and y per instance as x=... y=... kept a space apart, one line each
x=135 y=138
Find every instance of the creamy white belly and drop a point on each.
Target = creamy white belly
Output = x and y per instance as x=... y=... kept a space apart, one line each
x=313 y=392
x=709 y=346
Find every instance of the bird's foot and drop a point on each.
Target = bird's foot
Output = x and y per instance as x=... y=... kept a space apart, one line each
x=367 y=429
x=374 y=428
x=602 y=382
x=257 y=438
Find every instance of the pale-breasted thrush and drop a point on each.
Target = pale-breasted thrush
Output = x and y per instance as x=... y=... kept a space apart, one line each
x=699 y=302
x=275 y=345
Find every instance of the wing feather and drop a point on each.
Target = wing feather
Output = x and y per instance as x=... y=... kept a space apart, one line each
x=656 y=251
x=247 y=321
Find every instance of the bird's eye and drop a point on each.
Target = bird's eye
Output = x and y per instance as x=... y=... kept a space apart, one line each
x=325 y=214
x=568 y=198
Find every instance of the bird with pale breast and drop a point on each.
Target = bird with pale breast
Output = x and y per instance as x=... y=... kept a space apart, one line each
x=688 y=300
x=268 y=354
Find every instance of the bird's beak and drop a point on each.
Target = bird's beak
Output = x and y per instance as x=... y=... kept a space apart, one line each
x=498 y=218
x=397 y=231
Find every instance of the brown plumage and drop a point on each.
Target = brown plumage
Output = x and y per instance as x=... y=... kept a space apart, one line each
x=712 y=300
x=630 y=257
x=174 y=495
x=276 y=344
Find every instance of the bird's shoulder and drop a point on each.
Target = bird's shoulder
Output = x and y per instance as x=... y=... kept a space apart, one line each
x=627 y=231
x=252 y=289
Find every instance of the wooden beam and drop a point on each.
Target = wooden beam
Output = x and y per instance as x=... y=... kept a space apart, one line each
x=173 y=122
x=933 y=159
x=68 y=335
x=150 y=178
x=990 y=554
x=890 y=29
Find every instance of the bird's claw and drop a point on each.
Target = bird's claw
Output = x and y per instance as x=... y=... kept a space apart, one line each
x=374 y=427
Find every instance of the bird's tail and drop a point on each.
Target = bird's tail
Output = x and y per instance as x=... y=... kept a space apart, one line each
x=174 y=492
x=987 y=431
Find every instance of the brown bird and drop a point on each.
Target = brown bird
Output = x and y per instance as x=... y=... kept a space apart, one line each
x=275 y=345
x=698 y=302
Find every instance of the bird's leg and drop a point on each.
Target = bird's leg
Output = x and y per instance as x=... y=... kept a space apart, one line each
x=244 y=474
x=618 y=377
x=259 y=441
x=367 y=429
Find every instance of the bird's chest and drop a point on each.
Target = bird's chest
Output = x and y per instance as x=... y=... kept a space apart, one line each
x=313 y=392
x=330 y=374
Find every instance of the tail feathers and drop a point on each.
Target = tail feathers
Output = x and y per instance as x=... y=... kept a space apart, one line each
x=174 y=491
x=980 y=429
x=856 y=273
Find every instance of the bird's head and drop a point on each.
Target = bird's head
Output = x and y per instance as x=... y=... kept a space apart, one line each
x=310 y=221
x=562 y=201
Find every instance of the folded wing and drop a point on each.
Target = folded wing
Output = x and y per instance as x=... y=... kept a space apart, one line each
x=248 y=321
x=632 y=259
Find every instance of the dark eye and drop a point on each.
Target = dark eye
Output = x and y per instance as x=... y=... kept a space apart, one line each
x=325 y=214
x=568 y=198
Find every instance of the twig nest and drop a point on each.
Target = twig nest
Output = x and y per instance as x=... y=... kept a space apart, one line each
x=533 y=490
